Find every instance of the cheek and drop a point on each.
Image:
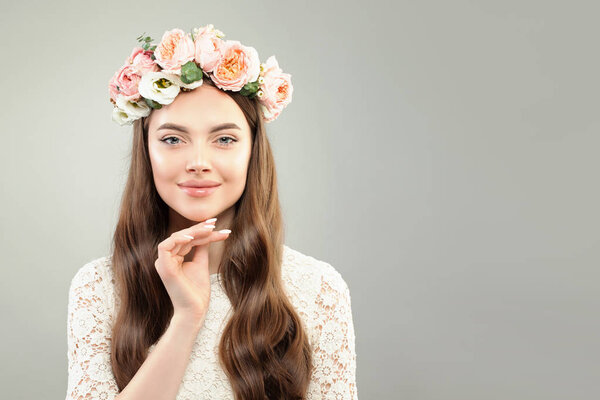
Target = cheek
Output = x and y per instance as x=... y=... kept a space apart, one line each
x=234 y=168
x=163 y=167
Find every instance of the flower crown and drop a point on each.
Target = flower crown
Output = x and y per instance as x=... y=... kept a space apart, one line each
x=153 y=75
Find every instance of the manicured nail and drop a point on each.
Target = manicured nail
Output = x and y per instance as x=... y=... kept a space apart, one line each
x=209 y=226
x=210 y=220
x=188 y=236
x=225 y=231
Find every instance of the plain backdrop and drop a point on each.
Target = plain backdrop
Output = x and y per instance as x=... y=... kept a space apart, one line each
x=441 y=155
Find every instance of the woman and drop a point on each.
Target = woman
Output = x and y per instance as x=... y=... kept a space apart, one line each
x=200 y=298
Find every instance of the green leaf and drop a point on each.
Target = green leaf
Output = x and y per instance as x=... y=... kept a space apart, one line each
x=152 y=103
x=190 y=72
x=146 y=40
x=250 y=89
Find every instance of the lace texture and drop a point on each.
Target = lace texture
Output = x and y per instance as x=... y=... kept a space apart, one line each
x=318 y=292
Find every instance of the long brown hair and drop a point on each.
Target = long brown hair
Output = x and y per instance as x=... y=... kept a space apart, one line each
x=264 y=349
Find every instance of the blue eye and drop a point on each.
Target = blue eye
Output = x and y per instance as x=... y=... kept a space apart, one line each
x=227 y=137
x=226 y=144
x=169 y=137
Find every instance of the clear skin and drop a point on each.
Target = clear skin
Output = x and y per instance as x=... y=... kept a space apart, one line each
x=221 y=156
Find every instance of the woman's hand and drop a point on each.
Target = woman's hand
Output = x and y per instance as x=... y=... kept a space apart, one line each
x=188 y=283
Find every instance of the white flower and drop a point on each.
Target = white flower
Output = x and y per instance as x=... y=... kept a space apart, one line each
x=121 y=117
x=134 y=109
x=266 y=113
x=178 y=81
x=159 y=86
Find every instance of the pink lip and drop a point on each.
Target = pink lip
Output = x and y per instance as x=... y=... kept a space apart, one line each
x=198 y=192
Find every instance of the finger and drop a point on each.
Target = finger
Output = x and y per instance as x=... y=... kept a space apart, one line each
x=199 y=229
x=171 y=246
x=213 y=237
x=183 y=245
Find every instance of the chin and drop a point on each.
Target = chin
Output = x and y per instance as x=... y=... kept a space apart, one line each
x=198 y=217
x=195 y=215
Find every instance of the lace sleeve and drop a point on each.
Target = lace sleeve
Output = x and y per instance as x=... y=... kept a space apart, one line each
x=88 y=337
x=334 y=356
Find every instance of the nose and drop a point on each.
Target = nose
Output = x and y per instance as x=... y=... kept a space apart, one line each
x=198 y=161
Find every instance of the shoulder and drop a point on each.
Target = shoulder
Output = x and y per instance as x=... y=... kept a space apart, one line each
x=90 y=309
x=316 y=289
x=91 y=271
x=94 y=278
x=309 y=279
x=307 y=269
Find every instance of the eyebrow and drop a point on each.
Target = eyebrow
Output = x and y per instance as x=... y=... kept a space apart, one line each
x=216 y=128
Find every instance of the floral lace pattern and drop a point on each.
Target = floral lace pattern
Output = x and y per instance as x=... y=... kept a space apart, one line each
x=318 y=292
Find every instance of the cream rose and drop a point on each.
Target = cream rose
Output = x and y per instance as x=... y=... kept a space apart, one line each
x=208 y=44
x=276 y=88
x=175 y=49
x=142 y=61
x=125 y=82
x=237 y=66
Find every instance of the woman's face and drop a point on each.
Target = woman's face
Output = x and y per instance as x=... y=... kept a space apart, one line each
x=184 y=144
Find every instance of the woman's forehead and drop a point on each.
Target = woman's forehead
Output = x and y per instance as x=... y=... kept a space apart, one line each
x=200 y=109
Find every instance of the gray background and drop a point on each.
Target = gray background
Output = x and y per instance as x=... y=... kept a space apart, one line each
x=441 y=155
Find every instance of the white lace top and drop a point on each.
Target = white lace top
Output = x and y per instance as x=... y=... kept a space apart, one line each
x=318 y=292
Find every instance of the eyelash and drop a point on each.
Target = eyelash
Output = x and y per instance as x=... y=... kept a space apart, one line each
x=222 y=137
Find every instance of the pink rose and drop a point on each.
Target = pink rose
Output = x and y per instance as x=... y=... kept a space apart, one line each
x=208 y=48
x=142 y=61
x=125 y=82
x=277 y=88
x=237 y=66
x=175 y=49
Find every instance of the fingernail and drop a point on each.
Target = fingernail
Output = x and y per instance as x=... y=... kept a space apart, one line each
x=225 y=231
x=209 y=226
x=210 y=220
x=188 y=236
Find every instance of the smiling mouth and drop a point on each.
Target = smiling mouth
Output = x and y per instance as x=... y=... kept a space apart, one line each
x=199 y=191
